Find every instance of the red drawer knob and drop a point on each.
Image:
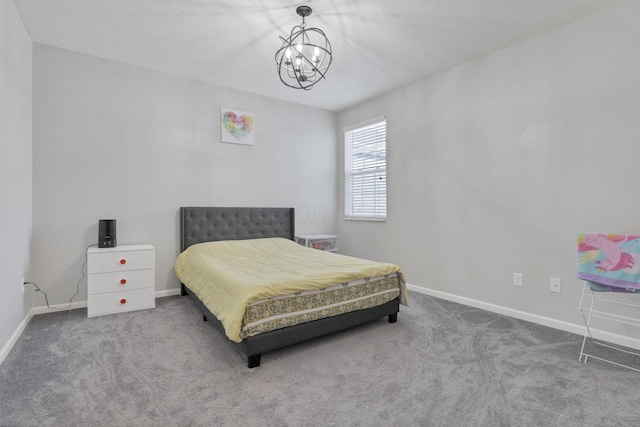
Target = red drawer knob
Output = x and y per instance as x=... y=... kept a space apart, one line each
x=123 y=281
x=123 y=301
x=123 y=261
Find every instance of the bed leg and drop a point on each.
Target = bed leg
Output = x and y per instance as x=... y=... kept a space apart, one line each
x=183 y=291
x=254 y=361
x=393 y=318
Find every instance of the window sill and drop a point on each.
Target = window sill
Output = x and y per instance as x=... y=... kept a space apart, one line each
x=365 y=218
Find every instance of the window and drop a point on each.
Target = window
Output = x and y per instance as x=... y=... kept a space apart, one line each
x=365 y=164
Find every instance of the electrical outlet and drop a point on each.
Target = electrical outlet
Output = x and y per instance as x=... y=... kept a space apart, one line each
x=517 y=279
x=555 y=285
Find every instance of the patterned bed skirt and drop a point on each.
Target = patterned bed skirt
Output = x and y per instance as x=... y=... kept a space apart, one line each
x=307 y=306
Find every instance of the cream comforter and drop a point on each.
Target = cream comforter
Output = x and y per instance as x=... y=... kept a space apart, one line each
x=228 y=275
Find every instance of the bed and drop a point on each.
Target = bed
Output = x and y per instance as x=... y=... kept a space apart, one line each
x=226 y=229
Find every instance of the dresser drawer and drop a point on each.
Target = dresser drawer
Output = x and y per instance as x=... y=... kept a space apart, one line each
x=120 y=260
x=121 y=301
x=99 y=283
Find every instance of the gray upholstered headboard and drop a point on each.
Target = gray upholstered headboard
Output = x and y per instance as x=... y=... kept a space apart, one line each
x=207 y=224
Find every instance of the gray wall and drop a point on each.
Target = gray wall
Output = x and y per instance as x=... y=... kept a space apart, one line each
x=117 y=141
x=496 y=165
x=15 y=171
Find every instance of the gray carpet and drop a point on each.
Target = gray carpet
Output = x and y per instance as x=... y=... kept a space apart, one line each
x=442 y=364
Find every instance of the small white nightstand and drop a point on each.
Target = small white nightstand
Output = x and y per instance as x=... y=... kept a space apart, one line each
x=323 y=242
x=120 y=279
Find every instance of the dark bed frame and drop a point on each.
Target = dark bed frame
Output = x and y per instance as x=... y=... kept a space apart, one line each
x=206 y=224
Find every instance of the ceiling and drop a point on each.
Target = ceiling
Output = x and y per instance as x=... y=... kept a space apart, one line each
x=378 y=45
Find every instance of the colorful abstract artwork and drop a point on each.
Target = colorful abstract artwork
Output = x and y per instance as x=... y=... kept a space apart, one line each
x=609 y=262
x=236 y=127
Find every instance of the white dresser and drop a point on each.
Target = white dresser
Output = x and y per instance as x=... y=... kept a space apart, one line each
x=120 y=279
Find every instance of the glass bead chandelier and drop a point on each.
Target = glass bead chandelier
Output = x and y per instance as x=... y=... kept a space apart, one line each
x=305 y=56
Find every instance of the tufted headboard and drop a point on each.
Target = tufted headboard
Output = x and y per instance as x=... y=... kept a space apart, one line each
x=208 y=224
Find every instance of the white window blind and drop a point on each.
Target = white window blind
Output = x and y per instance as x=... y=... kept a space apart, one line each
x=366 y=170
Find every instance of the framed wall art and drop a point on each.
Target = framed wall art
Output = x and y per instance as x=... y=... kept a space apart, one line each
x=236 y=127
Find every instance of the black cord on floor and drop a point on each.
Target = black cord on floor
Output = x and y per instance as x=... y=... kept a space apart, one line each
x=77 y=285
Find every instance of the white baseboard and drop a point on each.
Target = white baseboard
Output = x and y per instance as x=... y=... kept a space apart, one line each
x=52 y=309
x=533 y=318
x=58 y=307
x=169 y=293
x=541 y=320
x=15 y=336
x=82 y=304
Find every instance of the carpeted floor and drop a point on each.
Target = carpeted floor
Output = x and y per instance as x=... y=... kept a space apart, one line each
x=442 y=364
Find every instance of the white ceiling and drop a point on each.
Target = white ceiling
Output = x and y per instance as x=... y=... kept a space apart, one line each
x=378 y=45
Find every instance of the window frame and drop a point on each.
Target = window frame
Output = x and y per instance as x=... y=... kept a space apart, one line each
x=376 y=168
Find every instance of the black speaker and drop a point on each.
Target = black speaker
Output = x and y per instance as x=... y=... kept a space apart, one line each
x=107 y=233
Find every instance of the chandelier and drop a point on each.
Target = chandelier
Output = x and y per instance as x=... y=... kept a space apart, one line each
x=305 y=56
